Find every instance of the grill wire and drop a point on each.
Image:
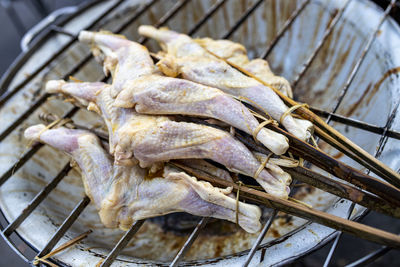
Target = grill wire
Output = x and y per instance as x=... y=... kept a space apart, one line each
x=8 y=228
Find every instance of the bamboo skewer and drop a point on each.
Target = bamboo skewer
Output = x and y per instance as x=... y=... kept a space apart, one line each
x=304 y=150
x=357 y=152
x=357 y=229
x=324 y=161
x=329 y=220
x=334 y=143
x=347 y=173
x=341 y=170
x=330 y=185
x=342 y=190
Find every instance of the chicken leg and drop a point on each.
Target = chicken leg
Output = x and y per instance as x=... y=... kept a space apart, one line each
x=155 y=139
x=124 y=194
x=193 y=62
x=155 y=94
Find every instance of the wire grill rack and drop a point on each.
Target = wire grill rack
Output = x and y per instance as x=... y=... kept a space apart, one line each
x=9 y=228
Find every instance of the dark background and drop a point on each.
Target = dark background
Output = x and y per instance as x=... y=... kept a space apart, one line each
x=22 y=15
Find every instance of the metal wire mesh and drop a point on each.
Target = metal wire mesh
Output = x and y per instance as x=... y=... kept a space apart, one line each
x=8 y=228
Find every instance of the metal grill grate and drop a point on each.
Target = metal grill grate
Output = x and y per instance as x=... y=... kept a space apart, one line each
x=8 y=228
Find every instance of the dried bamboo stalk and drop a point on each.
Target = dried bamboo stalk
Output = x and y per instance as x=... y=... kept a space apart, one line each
x=289 y=207
x=390 y=206
x=334 y=143
x=339 y=169
x=330 y=185
x=329 y=220
x=357 y=152
x=342 y=190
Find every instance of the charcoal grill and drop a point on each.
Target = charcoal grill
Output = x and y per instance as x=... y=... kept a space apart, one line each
x=350 y=70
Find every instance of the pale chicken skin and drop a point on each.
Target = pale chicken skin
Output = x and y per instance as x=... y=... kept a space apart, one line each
x=120 y=57
x=151 y=93
x=155 y=94
x=129 y=136
x=237 y=54
x=155 y=139
x=123 y=195
x=187 y=58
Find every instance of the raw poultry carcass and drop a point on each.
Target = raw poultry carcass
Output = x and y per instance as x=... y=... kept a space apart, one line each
x=125 y=60
x=155 y=139
x=124 y=194
x=155 y=94
x=186 y=57
x=237 y=54
x=151 y=93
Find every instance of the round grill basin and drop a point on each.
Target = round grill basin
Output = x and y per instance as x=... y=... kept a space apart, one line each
x=371 y=98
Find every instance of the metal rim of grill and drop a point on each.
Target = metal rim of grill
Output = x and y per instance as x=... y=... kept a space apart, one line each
x=9 y=228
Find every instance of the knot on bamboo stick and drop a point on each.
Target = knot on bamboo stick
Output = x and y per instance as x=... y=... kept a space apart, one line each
x=291 y=109
x=262 y=166
x=260 y=126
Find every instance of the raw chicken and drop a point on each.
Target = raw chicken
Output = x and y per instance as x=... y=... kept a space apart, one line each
x=155 y=139
x=155 y=94
x=123 y=195
x=188 y=58
x=208 y=168
x=237 y=54
x=151 y=93
x=125 y=60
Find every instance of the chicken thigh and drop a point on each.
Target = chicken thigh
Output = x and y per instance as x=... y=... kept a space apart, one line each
x=123 y=195
x=155 y=94
x=193 y=62
x=155 y=139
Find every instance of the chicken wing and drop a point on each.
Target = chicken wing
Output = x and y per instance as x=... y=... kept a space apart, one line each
x=193 y=62
x=123 y=195
x=155 y=139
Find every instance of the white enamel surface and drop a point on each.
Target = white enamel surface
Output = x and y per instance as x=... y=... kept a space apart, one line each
x=319 y=87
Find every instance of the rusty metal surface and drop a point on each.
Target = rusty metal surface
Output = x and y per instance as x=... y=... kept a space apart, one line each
x=370 y=98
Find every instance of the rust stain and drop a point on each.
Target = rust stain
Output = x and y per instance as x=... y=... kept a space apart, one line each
x=369 y=94
x=343 y=55
x=387 y=74
x=218 y=250
x=245 y=29
x=333 y=15
x=275 y=233
x=304 y=191
x=226 y=15
x=338 y=155
x=311 y=231
x=316 y=29
x=354 y=106
x=355 y=196
x=273 y=19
